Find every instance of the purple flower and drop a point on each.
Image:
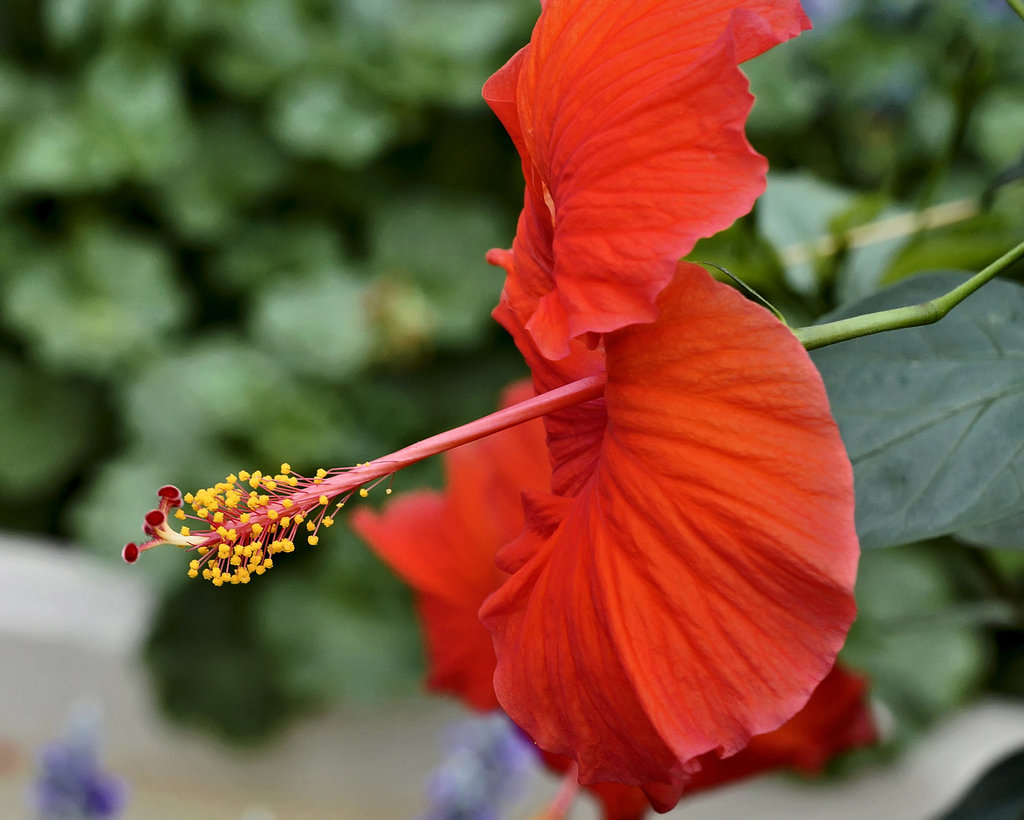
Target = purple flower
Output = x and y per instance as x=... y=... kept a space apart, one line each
x=71 y=784
x=487 y=762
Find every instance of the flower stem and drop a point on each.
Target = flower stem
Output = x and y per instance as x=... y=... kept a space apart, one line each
x=925 y=313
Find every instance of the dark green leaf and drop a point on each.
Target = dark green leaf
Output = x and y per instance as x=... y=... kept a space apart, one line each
x=933 y=417
x=998 y=795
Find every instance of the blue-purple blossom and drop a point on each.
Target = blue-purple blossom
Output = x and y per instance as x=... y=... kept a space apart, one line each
x=71 y=784
x=488 y=760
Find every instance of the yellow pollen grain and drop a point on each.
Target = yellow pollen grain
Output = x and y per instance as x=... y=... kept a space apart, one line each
x=299 y=518
x=272 y=515
x=257 y=528
x=363 y=492
x=244 y=518
x=201 y=550
x=323 y=500
x=310 y=526
x=243 y=475
x=189 y=498
x=285 y=521
x=192 y=573
x=321 y=473
x=202 y=512
x=186 y=532
x=327 y=521
x=179 y=514
x=287 y=503
x=286 y=467
x=313 y=540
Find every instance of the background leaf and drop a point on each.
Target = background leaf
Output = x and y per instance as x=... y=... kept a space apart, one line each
x=933 y=417
x=998 y=795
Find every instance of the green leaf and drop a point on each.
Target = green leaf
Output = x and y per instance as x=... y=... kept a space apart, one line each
x=794 y=214
x=910 y=637
x=932 y=417
x=105 y=299
x=997 y=795
x=46 y=427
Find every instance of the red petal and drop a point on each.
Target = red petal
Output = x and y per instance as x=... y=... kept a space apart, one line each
x=630 y=125
x=699 y=585
x=835 y=719
x=443 y=546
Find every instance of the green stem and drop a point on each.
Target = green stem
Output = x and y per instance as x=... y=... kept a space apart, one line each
x=912 y=316
x=1017 y=6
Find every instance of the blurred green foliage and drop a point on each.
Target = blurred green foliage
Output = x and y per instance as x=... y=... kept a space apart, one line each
x=241 y=232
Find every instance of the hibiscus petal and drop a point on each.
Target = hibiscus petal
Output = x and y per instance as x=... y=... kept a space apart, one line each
x=699 y=585
x=631 y=131
x=836 y=719
x=443 y=546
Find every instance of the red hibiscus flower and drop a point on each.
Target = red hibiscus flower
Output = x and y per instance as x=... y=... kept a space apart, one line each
x=443 y=545
x=684 y=578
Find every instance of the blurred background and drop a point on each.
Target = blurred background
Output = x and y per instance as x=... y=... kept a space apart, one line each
x=252 y=231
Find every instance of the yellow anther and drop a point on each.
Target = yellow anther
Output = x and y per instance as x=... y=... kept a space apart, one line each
x=248 y=550
x=217 y=581
x=327 y=521
x=186 y=532
x=387 y=491
x=270 y=485
x=218 y=517
x=202 y=512
x=201 y=550
x=236 y=561
x=252 y=502
x=323 y=500
x=287 y=503
x=264 y=499
x=189 y=498
x=243 y=475
x=260 y=570
x=287 y=545
x=257 y=528
x=223 y=551
x=310 y=526
x=237 y=549
x=232 y=535
x=313 y=540
x=193 y=564
x=207 y=573
x=179 y=514
x=285 y=521
x=321 y=473
x=286 y=467
x=222 y=531
x=244 y=518
x=231 y=479
x=293 y=481
x=299 y=518
x=268 y=563
x=192 y=573
x=363 y=492
x=272 y=515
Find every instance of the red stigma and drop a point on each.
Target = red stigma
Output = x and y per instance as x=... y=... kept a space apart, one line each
x=153 y=519
x=130 y=553
x=170 y=494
